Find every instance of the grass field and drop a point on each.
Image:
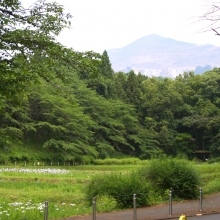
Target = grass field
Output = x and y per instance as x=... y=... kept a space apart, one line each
x=24 y=190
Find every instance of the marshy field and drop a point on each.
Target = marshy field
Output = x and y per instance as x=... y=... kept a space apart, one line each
x=24 y=189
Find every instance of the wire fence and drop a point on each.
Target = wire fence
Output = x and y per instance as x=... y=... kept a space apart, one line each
x=41 y=163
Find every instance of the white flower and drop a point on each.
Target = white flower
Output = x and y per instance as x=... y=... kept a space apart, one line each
x=36 y=171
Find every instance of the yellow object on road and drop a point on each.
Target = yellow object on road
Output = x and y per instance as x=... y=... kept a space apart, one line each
x=183 y=217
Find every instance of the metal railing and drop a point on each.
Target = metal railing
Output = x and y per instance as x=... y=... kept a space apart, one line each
x=170 y=201
x=134 y=205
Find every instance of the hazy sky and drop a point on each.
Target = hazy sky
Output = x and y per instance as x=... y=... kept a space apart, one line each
x=105 y=24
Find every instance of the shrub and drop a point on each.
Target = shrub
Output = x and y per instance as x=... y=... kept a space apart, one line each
x=213 y=160
x=178 y=174
x=120 y=187
x=105 y=204
x=110 y=161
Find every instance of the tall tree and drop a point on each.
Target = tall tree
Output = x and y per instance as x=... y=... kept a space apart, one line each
x=105 y=66
x=133 y=90
x=120 y=81
x=103 y=84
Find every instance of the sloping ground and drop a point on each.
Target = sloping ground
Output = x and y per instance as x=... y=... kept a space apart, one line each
x=210 y=205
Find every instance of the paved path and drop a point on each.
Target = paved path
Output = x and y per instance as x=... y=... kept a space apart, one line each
x=203 y=217
x=210 y=205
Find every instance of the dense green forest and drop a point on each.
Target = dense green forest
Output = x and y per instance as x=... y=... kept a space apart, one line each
x=62 y=105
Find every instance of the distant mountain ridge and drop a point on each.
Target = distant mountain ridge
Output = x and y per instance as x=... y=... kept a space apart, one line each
x=154 y=55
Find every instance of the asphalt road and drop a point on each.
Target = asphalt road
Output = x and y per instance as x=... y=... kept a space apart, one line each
x=204 y=217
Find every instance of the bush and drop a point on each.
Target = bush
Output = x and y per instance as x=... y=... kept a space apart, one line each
x=120 y=187
x=213 y=160
x=110 y=161
x=105 y=204
x=178 y=174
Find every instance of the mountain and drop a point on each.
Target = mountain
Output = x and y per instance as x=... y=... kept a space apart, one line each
x=154 y=55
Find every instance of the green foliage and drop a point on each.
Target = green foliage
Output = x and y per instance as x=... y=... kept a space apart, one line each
x=27 y=36
x=172 y=117
x=105 y=66
x=212 y=186
x=74 y=106
x=214 y=160
x=121 y=187
x=133 y=89
x=105 y=204
x=178 y=174
x=117 y=161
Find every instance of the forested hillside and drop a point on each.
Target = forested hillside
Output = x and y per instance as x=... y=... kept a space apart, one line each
x=57 y=104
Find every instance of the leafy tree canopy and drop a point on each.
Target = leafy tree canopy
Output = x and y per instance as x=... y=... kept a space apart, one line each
x=29 y=50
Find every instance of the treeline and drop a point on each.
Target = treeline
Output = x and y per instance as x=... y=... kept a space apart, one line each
x=114 y=115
